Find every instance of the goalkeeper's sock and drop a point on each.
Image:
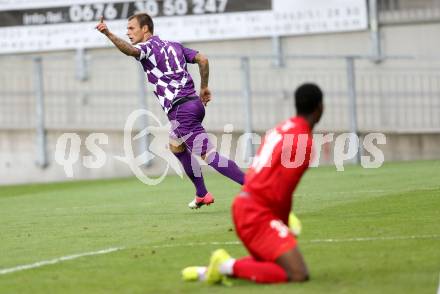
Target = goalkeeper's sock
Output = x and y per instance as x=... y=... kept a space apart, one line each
x=257 y=271
x=201 y=272
x=227 y=267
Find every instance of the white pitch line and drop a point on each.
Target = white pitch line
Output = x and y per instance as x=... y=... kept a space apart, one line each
x=56 y=260
x=361 y=239
x=197 y=244
x=109 y=250
x=438 y=290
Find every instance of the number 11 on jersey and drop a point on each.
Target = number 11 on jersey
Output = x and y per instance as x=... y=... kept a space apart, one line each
x=173 y=66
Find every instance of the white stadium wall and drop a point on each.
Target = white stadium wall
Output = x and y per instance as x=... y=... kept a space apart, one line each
x=405 y=109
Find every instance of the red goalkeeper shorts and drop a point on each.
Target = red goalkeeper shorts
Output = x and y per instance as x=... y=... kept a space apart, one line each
x=263 y=234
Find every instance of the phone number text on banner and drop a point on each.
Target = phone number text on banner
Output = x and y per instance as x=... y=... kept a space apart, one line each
x=44 y=25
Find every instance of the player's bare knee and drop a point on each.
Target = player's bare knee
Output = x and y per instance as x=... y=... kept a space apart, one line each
x=298 y=277
x=177 y=148
x=293 y=263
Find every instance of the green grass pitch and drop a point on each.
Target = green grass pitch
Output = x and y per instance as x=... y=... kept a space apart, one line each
x=384 y=224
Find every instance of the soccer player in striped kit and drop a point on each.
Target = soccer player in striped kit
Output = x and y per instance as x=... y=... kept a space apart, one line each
x=165 y=64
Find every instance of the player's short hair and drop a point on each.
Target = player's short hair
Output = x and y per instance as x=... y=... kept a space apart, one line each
x=144 y=20
x=308 y=97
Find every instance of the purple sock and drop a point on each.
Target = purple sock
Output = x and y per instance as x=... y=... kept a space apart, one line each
x=226 y=167
x=193 y=171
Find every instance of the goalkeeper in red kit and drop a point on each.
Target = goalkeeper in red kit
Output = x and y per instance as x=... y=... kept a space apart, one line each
x=261 y=210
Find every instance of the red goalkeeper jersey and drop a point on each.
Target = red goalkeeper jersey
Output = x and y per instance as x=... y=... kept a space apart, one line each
x=281 y=160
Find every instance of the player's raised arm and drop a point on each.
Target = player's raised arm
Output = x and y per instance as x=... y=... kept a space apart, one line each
x=121 y=44
x=205 y=93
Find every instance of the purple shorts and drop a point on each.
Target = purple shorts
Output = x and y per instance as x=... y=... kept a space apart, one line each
x=186 y=126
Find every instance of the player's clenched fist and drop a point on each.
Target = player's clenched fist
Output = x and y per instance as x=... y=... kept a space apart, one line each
x=205 y=95
x=102 y=27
